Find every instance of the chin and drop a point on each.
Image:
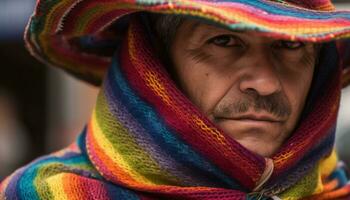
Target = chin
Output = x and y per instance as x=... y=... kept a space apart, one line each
x=265 y=149
x=264 y=140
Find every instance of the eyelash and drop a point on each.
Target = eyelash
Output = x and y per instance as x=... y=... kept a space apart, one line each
x=281 y=44
x=236 y=41
x=284 y=44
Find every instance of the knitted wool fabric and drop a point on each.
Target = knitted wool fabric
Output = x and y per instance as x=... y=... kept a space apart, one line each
x=146 y=140
x=74 y=34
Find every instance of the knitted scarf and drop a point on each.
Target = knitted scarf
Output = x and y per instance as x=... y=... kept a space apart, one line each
x=146 y=140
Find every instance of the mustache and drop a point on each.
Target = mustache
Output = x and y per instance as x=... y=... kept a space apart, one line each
x=275 y=104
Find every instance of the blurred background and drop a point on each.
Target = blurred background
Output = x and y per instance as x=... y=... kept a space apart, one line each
x=42 y=109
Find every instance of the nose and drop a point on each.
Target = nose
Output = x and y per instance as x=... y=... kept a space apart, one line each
x=260 y=76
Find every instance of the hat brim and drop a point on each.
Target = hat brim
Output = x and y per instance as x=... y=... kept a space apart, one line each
x=71 y=34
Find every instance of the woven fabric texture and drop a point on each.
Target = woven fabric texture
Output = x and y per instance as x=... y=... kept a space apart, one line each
x=146 y=140
x=75 y=34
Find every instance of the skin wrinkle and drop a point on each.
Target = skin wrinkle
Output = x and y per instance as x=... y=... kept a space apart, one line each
x=198 y=56
x=255 y=75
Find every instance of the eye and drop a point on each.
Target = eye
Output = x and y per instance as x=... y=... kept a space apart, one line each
x=225 y=41
x=289 y=45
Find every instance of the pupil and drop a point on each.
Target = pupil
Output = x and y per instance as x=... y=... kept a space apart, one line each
x=222 y=40
x=291 y=44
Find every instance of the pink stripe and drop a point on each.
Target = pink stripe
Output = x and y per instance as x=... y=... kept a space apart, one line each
x=78 y=187
x=238 y=162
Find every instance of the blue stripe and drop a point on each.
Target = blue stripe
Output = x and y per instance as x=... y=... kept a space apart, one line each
x=272 y=8
x=25 y=184
x=116 y=192
x=163 y=135
x=305 y=165
x=11 y=191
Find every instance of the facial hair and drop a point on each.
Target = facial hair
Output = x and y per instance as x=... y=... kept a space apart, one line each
x=276 y=104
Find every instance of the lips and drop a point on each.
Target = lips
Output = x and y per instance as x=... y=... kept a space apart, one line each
x=253 y=117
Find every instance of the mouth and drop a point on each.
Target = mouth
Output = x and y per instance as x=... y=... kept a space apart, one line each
x=253 y=118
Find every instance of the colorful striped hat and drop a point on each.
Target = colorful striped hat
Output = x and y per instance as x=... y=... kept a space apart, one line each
x=76 y=35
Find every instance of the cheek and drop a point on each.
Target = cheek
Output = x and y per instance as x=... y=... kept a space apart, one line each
x=296 y=85
x=200 y=82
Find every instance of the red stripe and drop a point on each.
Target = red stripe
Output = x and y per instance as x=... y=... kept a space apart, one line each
x=256 y=15
x=237 y=162
x=313 y=129
x=73 y=57
x=78 y=188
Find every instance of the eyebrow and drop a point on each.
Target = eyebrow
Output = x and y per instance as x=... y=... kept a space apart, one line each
x=194 y=26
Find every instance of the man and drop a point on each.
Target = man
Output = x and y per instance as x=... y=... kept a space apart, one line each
x=202 y=100
x=251 y=86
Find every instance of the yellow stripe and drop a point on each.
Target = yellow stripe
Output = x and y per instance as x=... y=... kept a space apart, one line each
x=56 y=187
x=109 y=150
x=329 y=164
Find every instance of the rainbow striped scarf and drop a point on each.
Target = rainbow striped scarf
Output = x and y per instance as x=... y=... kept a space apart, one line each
x=146 y=140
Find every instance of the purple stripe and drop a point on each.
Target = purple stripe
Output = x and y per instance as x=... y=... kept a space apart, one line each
x=146 y=142
x=11 y=189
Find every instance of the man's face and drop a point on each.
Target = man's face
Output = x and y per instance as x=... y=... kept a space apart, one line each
x=252 y=87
